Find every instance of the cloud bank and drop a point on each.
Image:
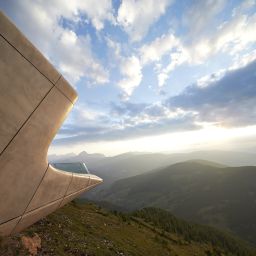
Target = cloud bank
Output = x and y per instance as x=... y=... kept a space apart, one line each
x=227 y=102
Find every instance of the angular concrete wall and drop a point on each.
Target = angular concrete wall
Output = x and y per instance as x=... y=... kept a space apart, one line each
x=34 y=101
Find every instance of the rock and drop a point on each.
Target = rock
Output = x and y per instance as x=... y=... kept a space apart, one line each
x=32 y=244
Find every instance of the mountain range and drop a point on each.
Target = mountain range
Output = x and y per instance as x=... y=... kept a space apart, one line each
x=199 y=191
x=133 y=163
x=210 y=187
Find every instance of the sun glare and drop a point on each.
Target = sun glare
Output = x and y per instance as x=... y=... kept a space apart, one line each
x=208 y=138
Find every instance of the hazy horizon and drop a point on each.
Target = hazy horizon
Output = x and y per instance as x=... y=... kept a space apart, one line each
x=148 y=152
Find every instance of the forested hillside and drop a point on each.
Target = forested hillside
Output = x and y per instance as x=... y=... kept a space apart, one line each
x=87 y=229
x=219 y=196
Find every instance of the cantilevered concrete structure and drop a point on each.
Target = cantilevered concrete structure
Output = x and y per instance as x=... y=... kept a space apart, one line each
x=34 y=101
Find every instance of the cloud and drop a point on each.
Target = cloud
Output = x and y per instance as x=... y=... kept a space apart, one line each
x=244 y=6
x=127 y=108
x=155 y=50
x=123 y=121
x=148 y=114
x=226 y=97
x=96 y=134
x=236 y=35
x=202 y=42
x=178 y=57
x=76 y=60
x=86 y=121
x=167 y=44
x=243 y=60
x=200 y=15
x=129 y=67
x=97 y=11
x=229 y=101
x=131 y=70
x=127 y=128
x=115 y=48
x=71 y=53
x=232 y=37
x=240 y=61
x=136 y=17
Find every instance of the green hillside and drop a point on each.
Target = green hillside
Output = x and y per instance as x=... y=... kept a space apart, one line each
x=127 y=165
x=222 y=197
x=86 y=229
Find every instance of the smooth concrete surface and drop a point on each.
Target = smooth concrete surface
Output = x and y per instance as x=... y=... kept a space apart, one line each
x=33 y=216
x=22 y=83
x=72 y=196
x=65 y=88
x=7 y=227
x=15 y=38
x=94 y=180
x=24 y=162
x=79 y=181
x=50 y=190
x=34 y=101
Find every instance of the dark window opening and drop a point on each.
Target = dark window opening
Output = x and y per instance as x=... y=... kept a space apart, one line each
x=72 y=167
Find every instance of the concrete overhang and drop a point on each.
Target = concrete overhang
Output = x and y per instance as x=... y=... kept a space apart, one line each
x=34 y=101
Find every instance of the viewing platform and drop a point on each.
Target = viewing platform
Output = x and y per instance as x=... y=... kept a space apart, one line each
x=34 y=101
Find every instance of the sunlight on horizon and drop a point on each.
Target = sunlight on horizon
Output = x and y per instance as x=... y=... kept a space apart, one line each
x=209 y=138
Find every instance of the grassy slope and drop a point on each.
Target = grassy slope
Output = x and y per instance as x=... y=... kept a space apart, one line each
x=221 y=197
x=86 y=229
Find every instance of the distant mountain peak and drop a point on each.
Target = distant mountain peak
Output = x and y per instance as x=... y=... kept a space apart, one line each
x=83 y=153
x=206 y=162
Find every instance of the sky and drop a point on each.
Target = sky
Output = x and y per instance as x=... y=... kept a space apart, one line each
x=165 y=76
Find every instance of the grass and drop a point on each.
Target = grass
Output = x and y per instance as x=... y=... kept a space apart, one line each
x=87 y=229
